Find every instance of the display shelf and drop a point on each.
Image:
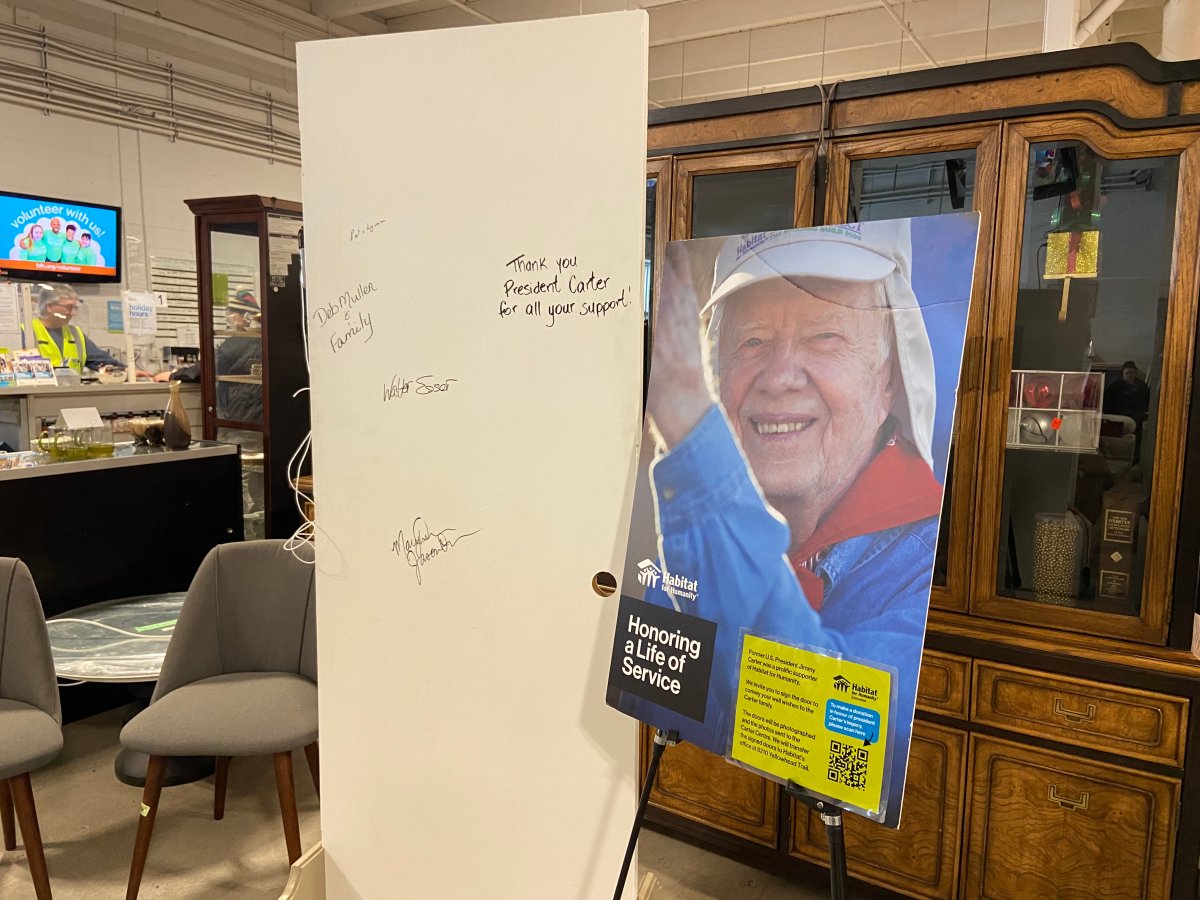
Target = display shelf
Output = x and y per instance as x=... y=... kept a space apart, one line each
x=240 y=379
x=1055 y=411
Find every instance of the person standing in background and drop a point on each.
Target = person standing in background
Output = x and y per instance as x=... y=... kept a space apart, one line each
x=1129 y=396
x=64 y=344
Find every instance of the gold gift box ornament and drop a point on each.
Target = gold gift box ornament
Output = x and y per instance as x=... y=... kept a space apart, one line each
x=1071 y=254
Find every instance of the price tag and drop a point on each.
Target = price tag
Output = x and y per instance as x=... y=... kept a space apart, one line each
x=81 y=417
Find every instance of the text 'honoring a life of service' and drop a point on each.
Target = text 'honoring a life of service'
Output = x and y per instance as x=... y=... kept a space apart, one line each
x=814 y=720
x=662 y=656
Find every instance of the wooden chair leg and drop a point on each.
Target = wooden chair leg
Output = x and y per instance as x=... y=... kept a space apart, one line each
x=155 y=771
x=6 y=816
x=312 y=754
x=287 y=804
x=22 y=797
x=219 y=793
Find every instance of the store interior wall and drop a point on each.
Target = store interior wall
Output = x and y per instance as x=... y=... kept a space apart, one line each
x=147 y=175
x=116 y=148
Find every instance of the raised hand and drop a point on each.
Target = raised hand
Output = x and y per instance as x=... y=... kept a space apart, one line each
x=679 y=394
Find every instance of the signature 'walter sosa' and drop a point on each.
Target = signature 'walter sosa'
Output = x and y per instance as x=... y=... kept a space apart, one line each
x=676 y=586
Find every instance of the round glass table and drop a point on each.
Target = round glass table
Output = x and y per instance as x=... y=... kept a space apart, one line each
x=123 y=642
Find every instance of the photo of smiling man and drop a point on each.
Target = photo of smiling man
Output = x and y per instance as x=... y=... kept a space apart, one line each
x=800 y=428
x=55 y=238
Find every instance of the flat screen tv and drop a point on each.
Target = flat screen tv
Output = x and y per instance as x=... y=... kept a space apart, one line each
x=47 y=239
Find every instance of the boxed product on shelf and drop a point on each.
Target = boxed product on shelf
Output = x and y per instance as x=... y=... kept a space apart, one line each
x=1055 y=410
x=1118 y=542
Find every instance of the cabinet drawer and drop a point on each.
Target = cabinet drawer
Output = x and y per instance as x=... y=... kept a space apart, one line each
x=701 y=786
x=1102 y=716
x=945 y=684
x=920 y=858
x=1046 y=824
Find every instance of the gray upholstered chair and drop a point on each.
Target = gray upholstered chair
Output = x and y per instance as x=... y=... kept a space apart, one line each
x=239 y=679
x=30 y=715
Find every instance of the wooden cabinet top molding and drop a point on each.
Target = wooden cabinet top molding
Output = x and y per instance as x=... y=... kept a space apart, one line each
x=1122 y=82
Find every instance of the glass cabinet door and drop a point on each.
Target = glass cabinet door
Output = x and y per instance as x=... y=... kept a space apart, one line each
x=739 y=193
x=237 y=323
x=1086 y=378
x=925 y=174
x=234 y=401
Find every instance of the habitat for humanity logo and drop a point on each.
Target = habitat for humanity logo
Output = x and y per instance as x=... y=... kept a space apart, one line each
x=843 y=685
x=648 y=573
x=675 y=586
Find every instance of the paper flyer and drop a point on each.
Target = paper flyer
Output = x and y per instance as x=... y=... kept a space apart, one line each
x=798 y=423
x=33 y=369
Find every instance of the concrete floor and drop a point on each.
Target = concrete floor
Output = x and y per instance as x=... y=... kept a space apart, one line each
x=680 y=871
x=88 y=820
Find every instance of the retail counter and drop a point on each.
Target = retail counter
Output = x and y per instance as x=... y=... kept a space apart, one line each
x=138 y=522
x=23 y=410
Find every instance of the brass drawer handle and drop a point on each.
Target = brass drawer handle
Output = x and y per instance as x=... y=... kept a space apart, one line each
x=1060 y=709
x=1067 y=802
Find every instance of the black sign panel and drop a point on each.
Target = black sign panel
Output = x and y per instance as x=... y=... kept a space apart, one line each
x=662 y=656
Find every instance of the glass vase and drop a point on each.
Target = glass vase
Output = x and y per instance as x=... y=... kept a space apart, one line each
x=177 y=428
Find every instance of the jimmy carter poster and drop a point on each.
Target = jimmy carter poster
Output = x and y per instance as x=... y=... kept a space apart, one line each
x=798 y=423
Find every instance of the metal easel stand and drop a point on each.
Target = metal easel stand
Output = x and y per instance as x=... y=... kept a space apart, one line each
x=661 y=740
x=831 y=815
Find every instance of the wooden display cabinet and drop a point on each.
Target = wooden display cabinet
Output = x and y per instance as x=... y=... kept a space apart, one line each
x=921 y=856
x=253 y=361
x=1047 y=824
x=1055 y=753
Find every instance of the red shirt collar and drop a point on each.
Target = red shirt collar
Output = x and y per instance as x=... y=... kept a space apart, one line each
x=896 y=488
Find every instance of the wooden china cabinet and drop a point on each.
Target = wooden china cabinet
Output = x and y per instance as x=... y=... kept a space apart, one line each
x=253 y=369
x=1055 y=753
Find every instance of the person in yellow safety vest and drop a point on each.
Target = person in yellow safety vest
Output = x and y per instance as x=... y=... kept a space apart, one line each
x=61 y=342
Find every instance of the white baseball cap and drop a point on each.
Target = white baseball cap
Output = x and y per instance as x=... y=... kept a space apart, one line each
x=856 y=253
x=861 y=252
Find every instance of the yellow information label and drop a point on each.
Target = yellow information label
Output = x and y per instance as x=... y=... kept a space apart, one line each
x=817 y=721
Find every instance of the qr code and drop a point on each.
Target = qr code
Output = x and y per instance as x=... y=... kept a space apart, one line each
x=848 y=764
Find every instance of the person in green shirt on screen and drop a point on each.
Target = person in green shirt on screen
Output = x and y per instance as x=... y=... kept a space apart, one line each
x=70 y=247
x=87 y=253
x=35 y=246
x=54 y=240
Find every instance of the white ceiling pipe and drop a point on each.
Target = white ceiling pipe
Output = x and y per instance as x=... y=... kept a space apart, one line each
x=262 y=10
x=1181 y=30
x=908 y=31
x=1093 y=20
x=136 y=15
x=337 y=9
x=473 y=11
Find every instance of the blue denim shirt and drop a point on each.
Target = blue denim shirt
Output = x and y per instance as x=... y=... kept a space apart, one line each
x=716 y=528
